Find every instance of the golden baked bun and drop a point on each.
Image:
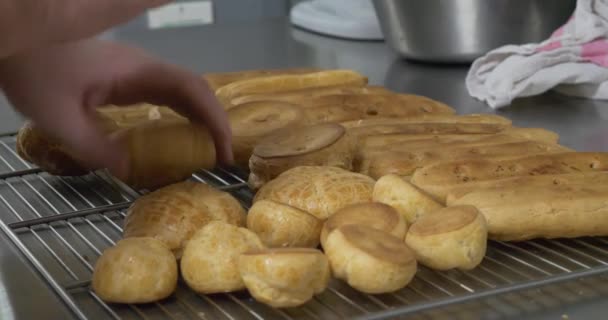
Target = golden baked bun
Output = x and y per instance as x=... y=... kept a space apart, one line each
x=306 y=97
x=280 y=83
x=314 y=145
x=250 y=122
x=284 y=278
x=174 y=213
x=135 y=270
x=165 y=152
x=47 y=153
x=320 y=191
x=450 y=238
x=210 y=260
x=281 y=225
x=217 y=80
x=411 y=202
x=370 y=260
x=372 y=214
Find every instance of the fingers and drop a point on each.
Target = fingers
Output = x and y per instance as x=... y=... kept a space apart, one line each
x=187 y=94
x=82 y=134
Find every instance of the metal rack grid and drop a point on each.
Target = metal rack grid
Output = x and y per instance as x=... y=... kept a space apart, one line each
x=62 y=224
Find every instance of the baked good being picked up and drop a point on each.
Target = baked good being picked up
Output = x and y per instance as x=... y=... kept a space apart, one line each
x=283 y=278
x=318 y=190
x=172 y=214
x=315 y=145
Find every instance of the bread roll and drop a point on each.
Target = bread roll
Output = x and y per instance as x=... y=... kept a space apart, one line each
x=281 y=83
x=253 y=121
x=556 y=211
x=307 y=97
x=172 y=214
x=217 y=80
x=404 y=163
x=541 y=181
x=281 y=225
x=319 y=190
x=438 y=179
x=450 y=238
x=210 y=261
x=409 y=201
x=370 y=260
x=374 y=215
x=165 y=152
x=135 y=270
x=346 y=107
x=315 y=145
x=283 y=278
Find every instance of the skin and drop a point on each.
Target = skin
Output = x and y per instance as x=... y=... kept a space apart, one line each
x=55 y=75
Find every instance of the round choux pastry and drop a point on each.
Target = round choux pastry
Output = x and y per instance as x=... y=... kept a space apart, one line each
x=372 y=214
x=410 y=202
x=210 y=260
x=280 y=225
x=370 y=260
x=451 y=238
x=135 y=270
x=285 y=277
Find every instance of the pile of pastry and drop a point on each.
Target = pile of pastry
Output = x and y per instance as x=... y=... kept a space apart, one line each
x=352 y=181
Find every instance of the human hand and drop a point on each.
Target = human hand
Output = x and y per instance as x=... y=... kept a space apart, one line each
x=59 y=89
x=29 y=24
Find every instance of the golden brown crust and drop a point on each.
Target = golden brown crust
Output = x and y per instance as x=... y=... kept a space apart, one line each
x=454 y=237
x=445 y=220
x=404 y=163
x=284 y=278
x=165 y=152
x=280 y=83
x=306 y=97
x=172 y=214
x=372 y=214
x=210 y=263
x=347 y=107
x=377 y=243
x=437 y=179
x=555 y=211
x=315 y=145
x=470 y=119
x=411 y=202
x=135 y=270
x=217 y=80
x=253 y=121
x=319 y=190
x=280 y=225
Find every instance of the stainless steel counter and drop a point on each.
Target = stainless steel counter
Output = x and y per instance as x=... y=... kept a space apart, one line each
x=582 y=124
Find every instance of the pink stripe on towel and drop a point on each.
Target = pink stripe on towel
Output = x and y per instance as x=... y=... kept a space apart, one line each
x=596 y=52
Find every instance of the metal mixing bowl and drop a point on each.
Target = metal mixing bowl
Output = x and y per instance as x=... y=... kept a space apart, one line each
x=463 y=30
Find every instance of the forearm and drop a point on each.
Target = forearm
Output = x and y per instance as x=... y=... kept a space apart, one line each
x=31 y=24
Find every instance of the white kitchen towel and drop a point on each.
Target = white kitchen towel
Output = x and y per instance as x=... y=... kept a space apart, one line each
x=574 y=61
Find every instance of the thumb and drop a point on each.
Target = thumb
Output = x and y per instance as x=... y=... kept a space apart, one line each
x=82 y=134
